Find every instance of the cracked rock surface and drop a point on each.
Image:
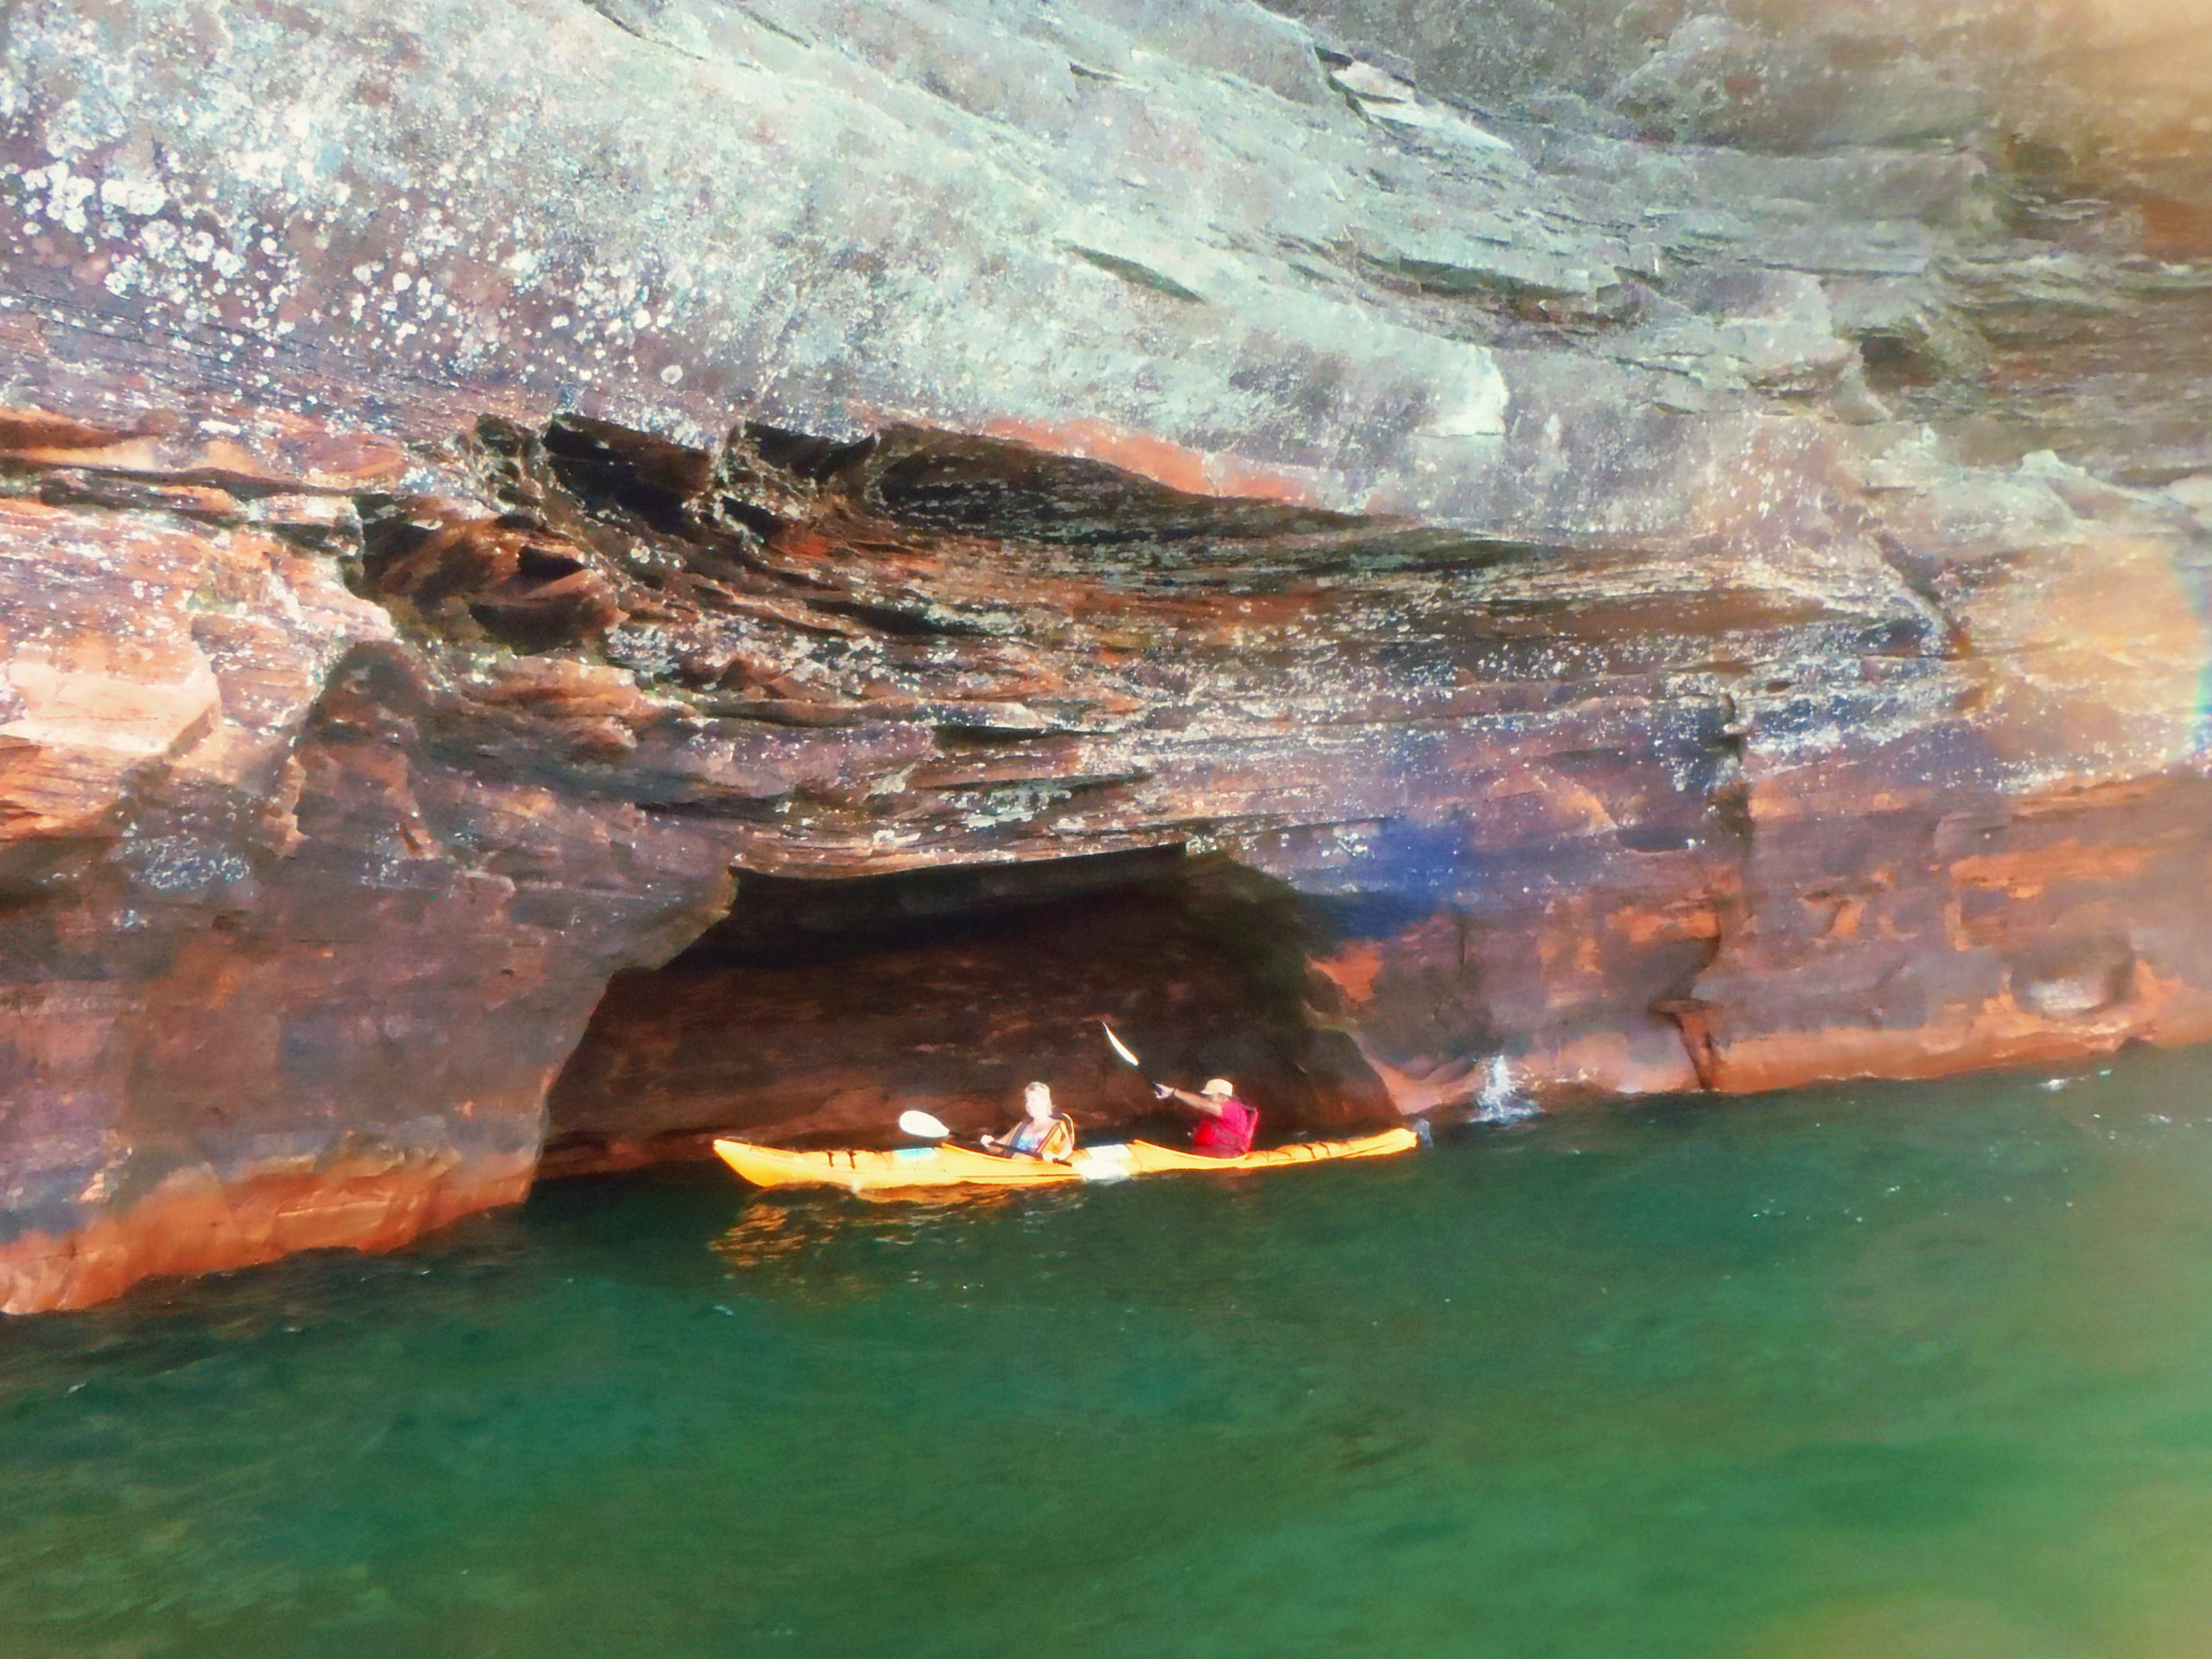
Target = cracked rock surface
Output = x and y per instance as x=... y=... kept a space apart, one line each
x=1417 y=553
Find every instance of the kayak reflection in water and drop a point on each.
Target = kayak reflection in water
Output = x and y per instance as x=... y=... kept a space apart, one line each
x=1227 y=1124
x=1042 y=1133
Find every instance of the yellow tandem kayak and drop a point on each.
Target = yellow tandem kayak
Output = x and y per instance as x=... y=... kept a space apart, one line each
x=914 y=1168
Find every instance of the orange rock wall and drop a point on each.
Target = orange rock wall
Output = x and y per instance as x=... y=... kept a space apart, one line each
x=278 y=979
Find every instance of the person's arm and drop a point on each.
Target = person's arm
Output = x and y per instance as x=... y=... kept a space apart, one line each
x=1204 y=1103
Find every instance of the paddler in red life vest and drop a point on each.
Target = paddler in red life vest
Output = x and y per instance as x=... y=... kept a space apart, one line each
x=1042 y=1133
x=1226 y=1124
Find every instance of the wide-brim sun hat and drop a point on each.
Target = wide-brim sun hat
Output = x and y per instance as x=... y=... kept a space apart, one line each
x=1218 y=1086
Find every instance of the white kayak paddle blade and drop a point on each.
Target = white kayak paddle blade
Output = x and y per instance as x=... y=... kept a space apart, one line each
x=922 y=1125
x=1120 y=1047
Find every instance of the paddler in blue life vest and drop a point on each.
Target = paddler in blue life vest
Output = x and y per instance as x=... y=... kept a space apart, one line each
x=1042 y=1133
x=1226 y=1124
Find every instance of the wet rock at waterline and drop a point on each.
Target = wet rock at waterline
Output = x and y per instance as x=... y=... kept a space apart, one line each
x=1416 y=569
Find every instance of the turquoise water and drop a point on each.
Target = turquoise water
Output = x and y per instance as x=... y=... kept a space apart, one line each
x=1922 y=1373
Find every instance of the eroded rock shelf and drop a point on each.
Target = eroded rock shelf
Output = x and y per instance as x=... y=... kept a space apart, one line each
x=577 y=575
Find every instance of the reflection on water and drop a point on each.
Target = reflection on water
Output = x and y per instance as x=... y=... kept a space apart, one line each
x=1883 y=1371
x=795 y=1227
x=768 y=1232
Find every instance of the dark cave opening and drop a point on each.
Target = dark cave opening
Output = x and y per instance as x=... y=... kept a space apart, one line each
x=820 y=1008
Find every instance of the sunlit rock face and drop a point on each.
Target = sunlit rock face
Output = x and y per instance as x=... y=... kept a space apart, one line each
x=1411 y=551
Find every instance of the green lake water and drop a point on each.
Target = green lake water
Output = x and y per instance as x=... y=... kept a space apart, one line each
x=1918 y=1373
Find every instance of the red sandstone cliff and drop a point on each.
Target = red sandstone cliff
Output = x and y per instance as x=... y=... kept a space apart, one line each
x=1107 y=511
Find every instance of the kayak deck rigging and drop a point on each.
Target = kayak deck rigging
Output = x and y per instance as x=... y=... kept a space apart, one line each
x=919 y=1169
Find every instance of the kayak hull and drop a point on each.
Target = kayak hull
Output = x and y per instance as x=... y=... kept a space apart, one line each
x=906 y=1169
x=912 y=1169
x=1150 y=1160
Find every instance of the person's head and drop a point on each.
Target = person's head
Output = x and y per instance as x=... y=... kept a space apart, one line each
x=1037 y=1100
x=1219 y=1089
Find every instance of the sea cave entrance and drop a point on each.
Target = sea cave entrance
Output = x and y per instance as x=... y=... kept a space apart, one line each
x=820 y=1008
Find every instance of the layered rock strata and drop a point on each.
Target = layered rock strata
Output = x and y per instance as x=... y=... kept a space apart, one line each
x=1581 y=571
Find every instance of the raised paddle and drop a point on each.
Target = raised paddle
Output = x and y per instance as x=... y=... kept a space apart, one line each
x=1127 y=1054
x=922 y=1127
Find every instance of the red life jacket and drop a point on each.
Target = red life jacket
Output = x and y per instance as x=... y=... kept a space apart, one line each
x=1229 y=1135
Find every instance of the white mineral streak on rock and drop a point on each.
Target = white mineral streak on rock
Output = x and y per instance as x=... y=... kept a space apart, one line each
x=1474 y=396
